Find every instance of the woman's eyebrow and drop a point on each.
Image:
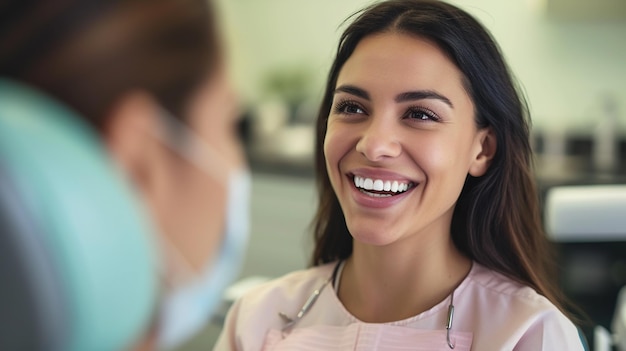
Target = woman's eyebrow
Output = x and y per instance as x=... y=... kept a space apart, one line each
x=352 y=90
x=422 y=95
x=403 y=97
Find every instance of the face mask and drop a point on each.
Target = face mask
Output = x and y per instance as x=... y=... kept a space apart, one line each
x=187 y=306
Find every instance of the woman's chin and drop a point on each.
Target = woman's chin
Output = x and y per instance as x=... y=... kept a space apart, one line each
x=372 y=236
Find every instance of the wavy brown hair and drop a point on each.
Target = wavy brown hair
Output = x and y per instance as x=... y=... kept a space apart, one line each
x=496 y=221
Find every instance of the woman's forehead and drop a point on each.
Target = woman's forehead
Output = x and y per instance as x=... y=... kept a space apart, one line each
x=392 y=63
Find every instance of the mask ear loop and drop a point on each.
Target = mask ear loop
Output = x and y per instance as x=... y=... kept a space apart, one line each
x=180 y=269
x=194 y=150
x=449 y=322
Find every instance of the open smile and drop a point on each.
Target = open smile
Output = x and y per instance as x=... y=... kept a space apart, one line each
x=381 y=188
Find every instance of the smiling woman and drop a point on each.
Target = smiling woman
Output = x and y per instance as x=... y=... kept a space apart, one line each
x=427 y=233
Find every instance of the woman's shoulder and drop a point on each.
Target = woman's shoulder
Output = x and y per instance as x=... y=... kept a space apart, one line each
x=502 y=311
x=281 y=293
x=258 y=310
x=290 y=286
x=502 y=289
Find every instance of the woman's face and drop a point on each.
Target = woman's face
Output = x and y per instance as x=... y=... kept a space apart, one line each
x=193 y=206
x=401 y=139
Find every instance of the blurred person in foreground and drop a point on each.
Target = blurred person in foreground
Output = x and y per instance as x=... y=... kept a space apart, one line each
x=140 y=85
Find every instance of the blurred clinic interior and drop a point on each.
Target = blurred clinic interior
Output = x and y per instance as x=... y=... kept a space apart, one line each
x=569 y=56
x=570 y=59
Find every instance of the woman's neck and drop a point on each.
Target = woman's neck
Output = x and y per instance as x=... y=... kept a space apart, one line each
x=394 y=282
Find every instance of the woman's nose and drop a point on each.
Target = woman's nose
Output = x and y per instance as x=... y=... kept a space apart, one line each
x=378 y=141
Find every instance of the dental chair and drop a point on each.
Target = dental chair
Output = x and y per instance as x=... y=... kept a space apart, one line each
x=77 y=262
x=588 y=225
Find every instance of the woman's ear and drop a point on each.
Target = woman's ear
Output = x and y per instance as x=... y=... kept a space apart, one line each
x=129 y=137
x=485 y=145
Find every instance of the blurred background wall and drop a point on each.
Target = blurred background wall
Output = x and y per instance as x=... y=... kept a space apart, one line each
x=568 y=62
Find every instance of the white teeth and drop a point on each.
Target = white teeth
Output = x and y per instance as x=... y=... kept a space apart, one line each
x=379 y=195
x=368 y=184
x=380 y=185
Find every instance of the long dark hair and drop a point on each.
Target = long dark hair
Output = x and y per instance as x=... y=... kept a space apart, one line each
x=496 y=220
x=88 y=54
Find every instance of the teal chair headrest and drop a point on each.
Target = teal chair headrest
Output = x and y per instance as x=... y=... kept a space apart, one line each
x=78 y=263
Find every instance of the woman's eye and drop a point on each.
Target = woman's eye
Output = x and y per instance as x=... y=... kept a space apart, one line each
x=348 y=107
x=422 y=115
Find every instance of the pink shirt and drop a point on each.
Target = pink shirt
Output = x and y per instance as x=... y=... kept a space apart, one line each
x=492 y=312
